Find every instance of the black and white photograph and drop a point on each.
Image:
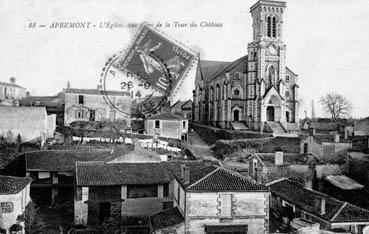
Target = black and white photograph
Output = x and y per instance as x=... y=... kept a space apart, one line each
x=184 y=117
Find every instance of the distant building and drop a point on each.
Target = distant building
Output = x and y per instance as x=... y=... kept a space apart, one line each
x=10 y=92
x=360 y=143
x=53 y=105
x=257 y=91
x=324 y=147
x=266 y=167
x=91 y=105
x=183 y=108
x=215 y=200
x=167 y=125
x=14 y=197
x=291 y=200
x=325 y=126
x=361 y=127
x=30 y=123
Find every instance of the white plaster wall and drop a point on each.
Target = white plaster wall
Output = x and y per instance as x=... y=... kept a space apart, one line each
x=97 y=103
x=81 y=208
x=168 y=128
x=51 y=125
x=250 y=208
x=20 y=201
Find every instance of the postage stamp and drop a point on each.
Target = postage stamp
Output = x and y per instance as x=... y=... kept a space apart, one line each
x=150 y=69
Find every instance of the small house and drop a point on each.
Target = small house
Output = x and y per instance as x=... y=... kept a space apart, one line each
x=291 y=200
x=167 y=125
x=14 y=198
x=324 y=147
x=215 y=200
x=183 y=108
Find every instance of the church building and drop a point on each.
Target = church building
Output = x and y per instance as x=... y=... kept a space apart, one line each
x=257 y=91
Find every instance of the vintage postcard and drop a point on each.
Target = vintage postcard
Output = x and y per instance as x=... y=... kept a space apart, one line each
x=184 y=117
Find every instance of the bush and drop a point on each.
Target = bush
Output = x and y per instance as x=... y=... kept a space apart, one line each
x=33 y=224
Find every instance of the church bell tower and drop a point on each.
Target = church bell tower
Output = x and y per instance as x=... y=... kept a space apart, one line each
x=266 y=56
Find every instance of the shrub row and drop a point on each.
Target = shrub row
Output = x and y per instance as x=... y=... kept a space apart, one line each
x=210 y=134
x=223 y=148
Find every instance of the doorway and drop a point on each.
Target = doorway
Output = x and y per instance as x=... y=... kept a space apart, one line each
x=270 y=113
x=104 y=211
x=287 y=116
x=236 y=115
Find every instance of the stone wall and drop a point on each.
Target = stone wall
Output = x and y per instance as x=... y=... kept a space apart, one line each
x=249 y=208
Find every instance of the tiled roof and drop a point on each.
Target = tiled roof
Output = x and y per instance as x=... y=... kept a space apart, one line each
x=166 y=218
x=174 y=167
x=97 y=92
x=166 y=116
x=214 y=178
x=329 y=138
x=47 y=101
x=180 y=104
x=230 y=66
x=64 y=160
x=10 y=84
x=343 y=182
x=324 y=126
x=351 y=213
x=335 y=210
x=288 y=69
x=105 y=174
x=209 y=68
x=13 y=185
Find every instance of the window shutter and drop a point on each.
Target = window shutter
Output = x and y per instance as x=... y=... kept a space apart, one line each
x=225 y=205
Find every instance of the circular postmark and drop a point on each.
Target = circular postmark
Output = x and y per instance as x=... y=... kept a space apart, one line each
x=141 y=79
x=132 y=92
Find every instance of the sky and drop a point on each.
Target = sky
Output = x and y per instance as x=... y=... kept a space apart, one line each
x=327 y=42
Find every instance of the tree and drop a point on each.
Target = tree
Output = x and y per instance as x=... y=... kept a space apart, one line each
x=336 y=105
x=117 y=129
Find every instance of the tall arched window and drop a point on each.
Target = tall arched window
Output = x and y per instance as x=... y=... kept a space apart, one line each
x=218 y=92
x=274 y=27
x=271 y=76
x=224 y=91
x=269 y=24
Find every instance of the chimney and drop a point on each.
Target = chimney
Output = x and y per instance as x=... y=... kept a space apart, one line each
x=278 y=160
x=312 y=131
x=320 y=205
x=336 y=137
x=68 y=84
x=165 y=107
x=310 y=176
x=185 y=174
x=12 y=80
